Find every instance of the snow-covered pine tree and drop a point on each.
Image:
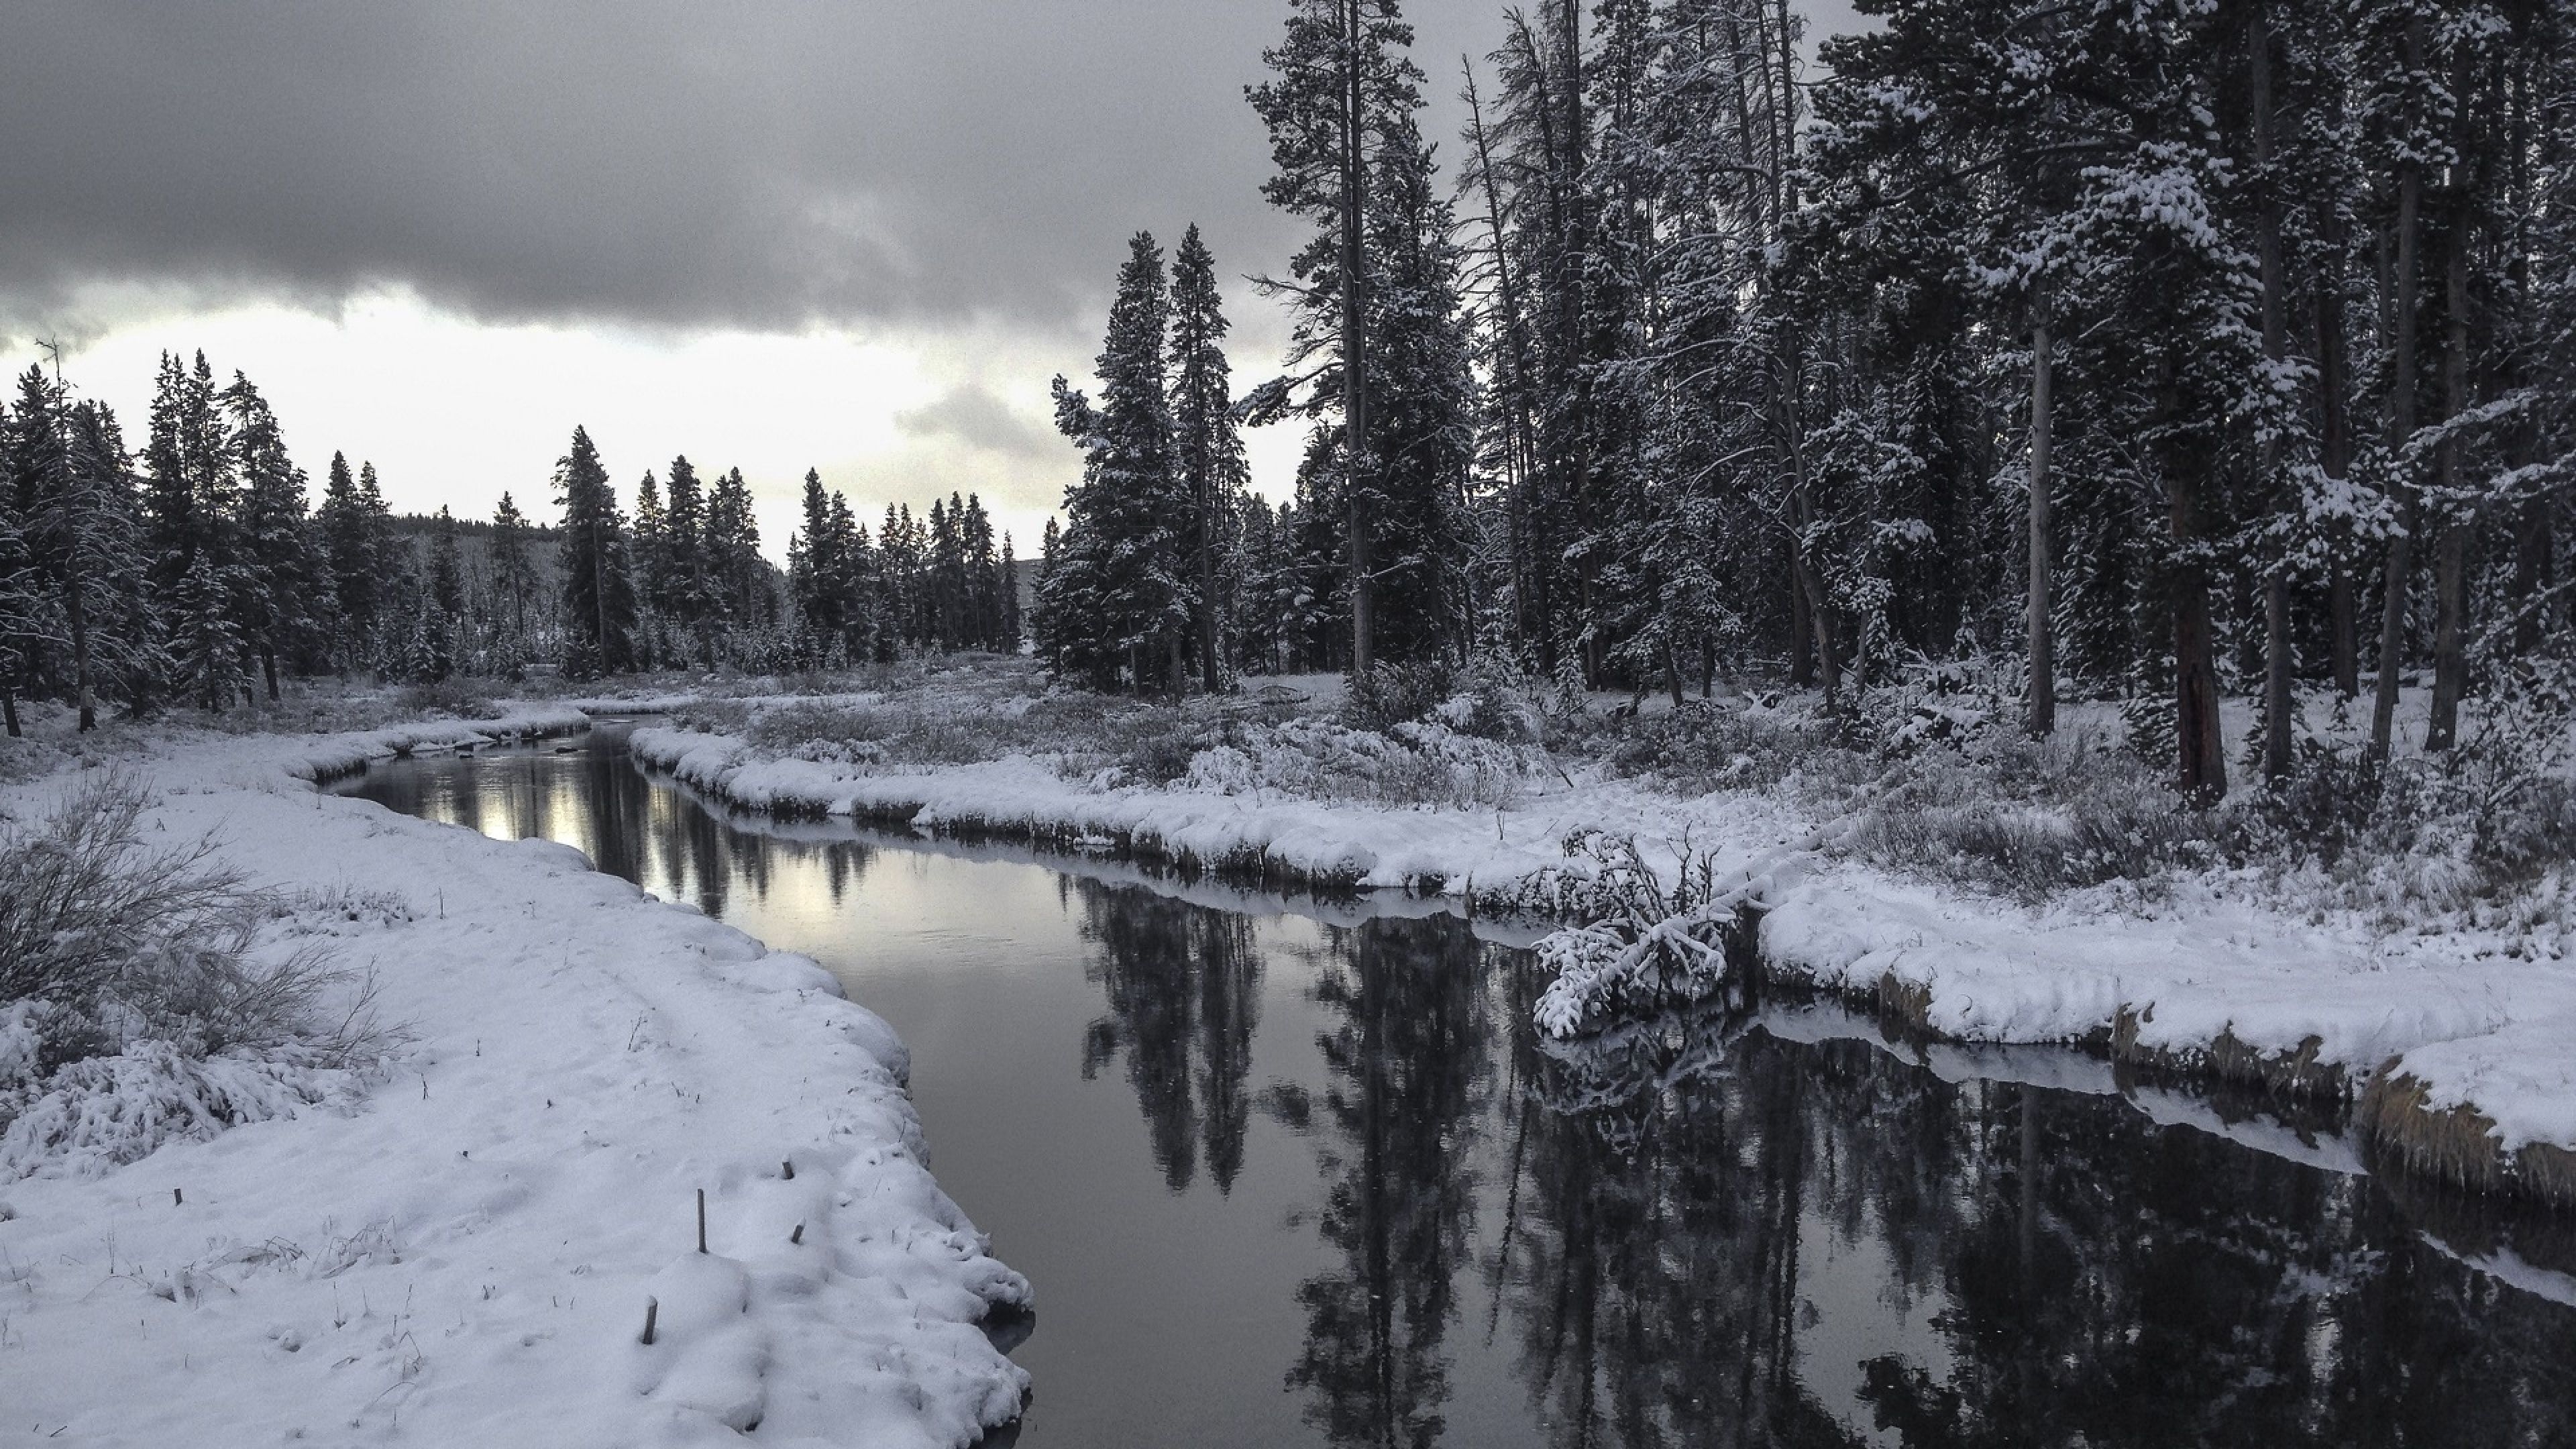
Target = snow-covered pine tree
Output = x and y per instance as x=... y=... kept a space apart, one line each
x=444 y=596
x=1341 y=86
x=1042 y=633
x=1008 y=637
x=281 y=595
x=1118 y=596
x=1207 y=450
x=599 y=594
x=514 y=588
x=76 y=498
x=205 y=647
x=741 y=601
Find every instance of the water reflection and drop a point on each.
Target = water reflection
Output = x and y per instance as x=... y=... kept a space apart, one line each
x=1280 y=1180
x=1183 y=984
x=596 y=801
x=1405 y=1044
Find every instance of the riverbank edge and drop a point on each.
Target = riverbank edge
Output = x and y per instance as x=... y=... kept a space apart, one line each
x=208 y=764
x=2406 y=1127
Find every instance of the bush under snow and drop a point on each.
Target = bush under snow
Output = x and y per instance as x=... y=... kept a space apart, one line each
x=137 y=1005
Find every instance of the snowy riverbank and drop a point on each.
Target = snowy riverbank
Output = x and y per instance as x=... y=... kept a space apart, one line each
x=467 y=1256
x=2465 y=1033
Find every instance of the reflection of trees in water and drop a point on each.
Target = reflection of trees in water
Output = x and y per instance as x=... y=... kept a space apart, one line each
x=1407 y=1058
x=2091 y=1277
x=629 y=824
x=1183 y=984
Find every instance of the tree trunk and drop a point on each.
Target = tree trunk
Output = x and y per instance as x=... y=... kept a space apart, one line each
x=268 y=669
x=2534 y=548
x=79 y=621
x=2334 y=454
x=1356 y=466
x=2042 y=719
x=1802 y=638
x=2277 y=702
x=2451 y=544
x=1207 y=575
x=9 y=708
x=2202 y=767
x=2401 y=426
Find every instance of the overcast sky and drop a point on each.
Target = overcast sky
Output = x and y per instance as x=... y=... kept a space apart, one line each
x=858 y=236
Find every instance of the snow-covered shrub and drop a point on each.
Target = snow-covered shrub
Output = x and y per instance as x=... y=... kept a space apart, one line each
x=135 y=1005
x=1414 y=763
x=1492 y=702
x=100 y=1112
x=1941 y=702
x=2031 y=817
x=83 y=904
x=1644 y=946
x=1712 y=745
x=2491 y=820
x=1392 y=694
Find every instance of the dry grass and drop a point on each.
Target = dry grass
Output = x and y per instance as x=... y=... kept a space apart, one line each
x=2458 y=1145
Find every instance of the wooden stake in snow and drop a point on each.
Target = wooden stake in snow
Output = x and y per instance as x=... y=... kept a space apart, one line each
x=652 y=1310
x=175 y=1198
x=702 y=1220
x=787 y=1170
x=797 y=1236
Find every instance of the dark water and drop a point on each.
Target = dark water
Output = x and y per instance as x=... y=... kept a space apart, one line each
x=1300 y=1176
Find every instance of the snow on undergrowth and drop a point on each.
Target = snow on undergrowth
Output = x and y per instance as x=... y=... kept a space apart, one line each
x=1643 y=944
x=143 y=1002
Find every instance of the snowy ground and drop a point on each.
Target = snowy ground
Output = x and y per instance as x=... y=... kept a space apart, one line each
x=2483 y=1014
x=467 y=1257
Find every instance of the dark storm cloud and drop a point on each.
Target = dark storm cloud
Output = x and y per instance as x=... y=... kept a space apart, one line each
x=671 y=163
x=977 y=418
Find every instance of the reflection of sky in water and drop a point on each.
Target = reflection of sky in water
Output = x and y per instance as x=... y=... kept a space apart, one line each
x=1282 y=1180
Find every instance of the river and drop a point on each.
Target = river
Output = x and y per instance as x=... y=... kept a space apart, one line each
x=1294 y=1172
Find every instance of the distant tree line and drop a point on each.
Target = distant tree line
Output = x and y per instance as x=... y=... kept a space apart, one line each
x=683 y=585
x=198 y=569
x=2177 y=349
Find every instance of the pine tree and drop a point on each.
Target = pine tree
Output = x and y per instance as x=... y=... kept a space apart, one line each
x=446 y=596
x=383 y=556
x=205 y=647
x=599 y=597
x=1008 y=640
x=76 y=498
x=1120 y=596
x=1340 y=79
x=514 y=580
x=653 y=566
x=276 y=601
x=29 y=631
x=818 y=574
x=349 y=561
x=1042 y=630
x=741 y=599
x=1208 y=449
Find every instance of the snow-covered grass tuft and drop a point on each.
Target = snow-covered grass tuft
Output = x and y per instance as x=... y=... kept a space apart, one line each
x=88 y=1116
x=139 y=1005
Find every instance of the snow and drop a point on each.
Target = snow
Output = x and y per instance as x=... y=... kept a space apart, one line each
x=463 y=1252
x=2478 y=1022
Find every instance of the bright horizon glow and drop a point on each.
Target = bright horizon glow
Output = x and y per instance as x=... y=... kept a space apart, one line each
x=455 y=411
